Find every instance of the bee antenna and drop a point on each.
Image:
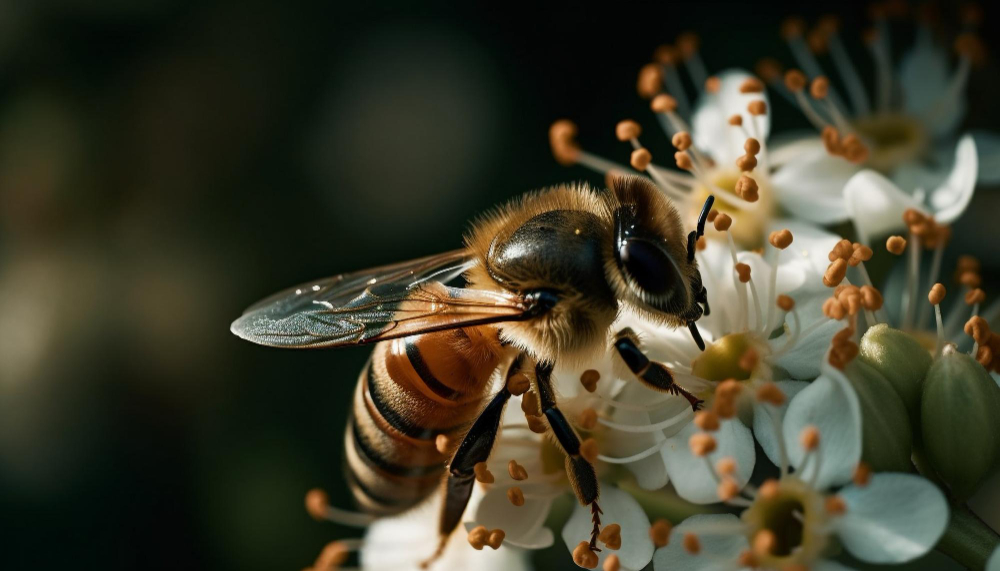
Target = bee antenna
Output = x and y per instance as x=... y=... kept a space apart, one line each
x=703 y=217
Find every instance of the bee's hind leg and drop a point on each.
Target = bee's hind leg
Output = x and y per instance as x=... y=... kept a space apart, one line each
x=475 y=448
x=651 y=373
x=582 y=475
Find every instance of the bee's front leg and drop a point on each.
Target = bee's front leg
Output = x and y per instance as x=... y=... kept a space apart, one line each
x=582 y=476
x=651 y=373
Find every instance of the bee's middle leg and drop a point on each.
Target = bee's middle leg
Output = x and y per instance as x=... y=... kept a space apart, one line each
x=651 y=373
x=475 y=448
x=582 y=475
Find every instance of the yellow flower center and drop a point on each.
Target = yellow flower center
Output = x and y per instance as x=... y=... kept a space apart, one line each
x=725 y=358
x=795 y=514
x=893 y=139
x=749 y=226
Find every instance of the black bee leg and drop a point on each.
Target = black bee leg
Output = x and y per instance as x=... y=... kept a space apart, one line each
x=702 y=298
x=695 y=234
x=475 y=448
x=652 y=374
x=582 y=475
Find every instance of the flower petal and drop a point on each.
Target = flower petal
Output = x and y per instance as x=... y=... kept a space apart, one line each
x=764 y=417
x=721 y=538
x=993 y=563
x=621 y=508
x=710 y=123
x=988 y=145
x=950 y=200
x=895 y=518
x=804 y=359
x=828 y=565
x=924 y=75
x=650 y=472
x=812 y=186
x=876 y=204
x=690 y=474
x=523 y=525
x=830 y=404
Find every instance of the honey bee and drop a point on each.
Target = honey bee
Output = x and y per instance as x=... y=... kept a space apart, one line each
x=544 y=279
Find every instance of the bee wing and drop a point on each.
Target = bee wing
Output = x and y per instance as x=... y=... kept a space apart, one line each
x=376 y=304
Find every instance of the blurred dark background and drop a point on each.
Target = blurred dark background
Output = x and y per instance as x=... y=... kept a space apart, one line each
x=163 y=164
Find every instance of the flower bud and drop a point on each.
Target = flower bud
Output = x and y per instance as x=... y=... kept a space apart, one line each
x=886 y=433
x=960 y=421
x=901 y=359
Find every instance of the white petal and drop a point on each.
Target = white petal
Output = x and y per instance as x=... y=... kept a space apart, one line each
x=523 y=525
x=810 y=247
x=876 y=204
x=988 y=145
x=827 y=565
x=721 y=539
x=993 y=564
x=404 y=541
x=803 y=361
x=650 y=472
x=690 y=474
x=830 y=404
x=783 y=148
x=621 y=508
x=764 y=417
x=950 y=200
x=895 y=518
x=812 y=186
x=923 y=73
x=710 y=123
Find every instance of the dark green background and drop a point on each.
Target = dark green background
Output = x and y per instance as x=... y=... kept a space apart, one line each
x=163 y=164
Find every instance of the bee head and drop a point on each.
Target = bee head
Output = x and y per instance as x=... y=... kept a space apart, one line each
x=650 y=268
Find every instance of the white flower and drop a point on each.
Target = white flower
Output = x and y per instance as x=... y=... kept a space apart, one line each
x=993 y=564
x=884 y=518
x=405 y=541
x=909 y=138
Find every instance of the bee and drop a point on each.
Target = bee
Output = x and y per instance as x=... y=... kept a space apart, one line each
x=544 y=279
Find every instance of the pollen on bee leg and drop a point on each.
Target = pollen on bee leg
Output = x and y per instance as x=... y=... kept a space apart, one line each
x=589 y=379
x=896 y=245
x=835 y=505
x=588 y=419
x=769 y=393
x=611 y=536
x=706 y=420
x=443 y=443
x=518 y=384
x=483 y=474
x=529 y=403
x=515 y=496
x=691 y=544
x=659 y=532
x=611 y=563
x=536 y=424
x=516 y=471
x=583 y=556
x=809 y=438
x=702 y=444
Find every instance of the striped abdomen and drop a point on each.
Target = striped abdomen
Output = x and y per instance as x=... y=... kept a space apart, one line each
x=412 y=390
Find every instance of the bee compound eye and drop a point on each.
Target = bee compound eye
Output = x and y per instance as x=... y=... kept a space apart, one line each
x=649 y=266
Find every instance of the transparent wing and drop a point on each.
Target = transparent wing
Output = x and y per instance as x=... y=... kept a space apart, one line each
x=379 y=303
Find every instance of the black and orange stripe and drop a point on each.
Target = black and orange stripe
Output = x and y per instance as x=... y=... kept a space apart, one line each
x=412 y=390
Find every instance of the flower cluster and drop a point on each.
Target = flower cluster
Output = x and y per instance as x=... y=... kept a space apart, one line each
x=840 y=418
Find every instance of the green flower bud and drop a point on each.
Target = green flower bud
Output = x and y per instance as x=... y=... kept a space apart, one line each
x=886 y=433
x=960 y=421
x=901 y=359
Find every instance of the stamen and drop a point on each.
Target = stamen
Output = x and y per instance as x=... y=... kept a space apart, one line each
x=588 y=419
x=896 y=245
x=770 y=489
x=879 y=44
x=770 y=70
x=769 y=393
x=727 y=489
x=706 y=420
x=334 y=555
x=835 y=505
x=935 y=271
x=659 y=533
x=764 y=543
x=517 y=471
x=835 y=273
x=862 y=475
x=536 y=424
x=318 y=506
x=611 y=563
x=795 y=81
x=650 y=80
x=634 y=428
x=515 y=496
x=820 y=91
x=691 y=544
x=847 y=71
x=443 y=444
x=702 y=444
x=687 y=43
x=611 y=536
x=483 y=474
x=589 y=450
x=583 y=556
x=517 y=384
